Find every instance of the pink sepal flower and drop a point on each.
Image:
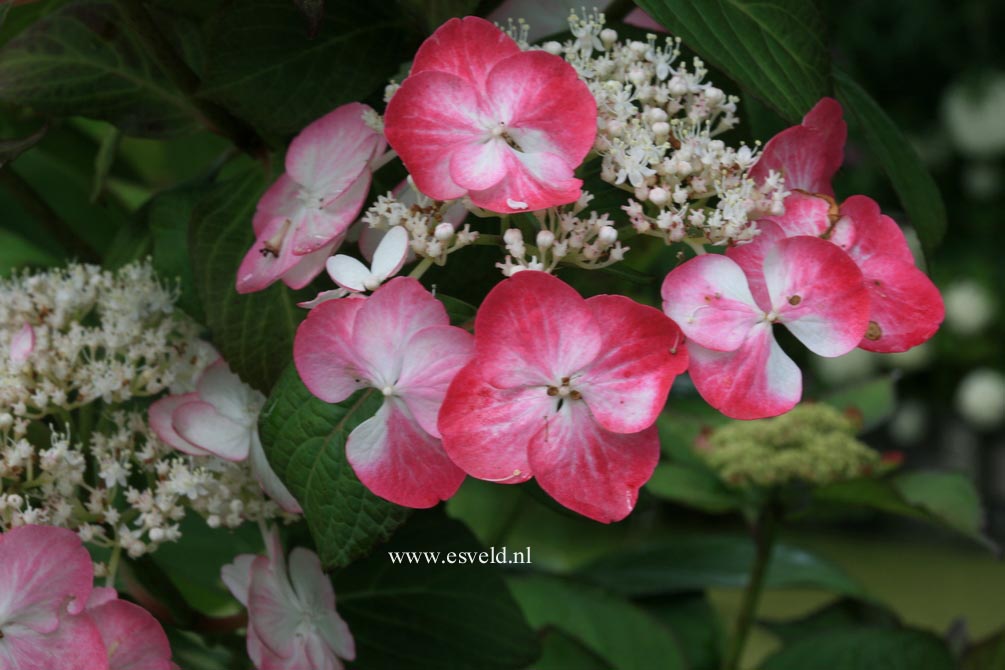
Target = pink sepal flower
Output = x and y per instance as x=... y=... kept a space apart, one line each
x=220 y=419
x=292 y=621
x=302 y=218
x=479 y=117
x=565 y=390
x=807 y=284
x=399 y=341
x=807 y=155
x=133 y=638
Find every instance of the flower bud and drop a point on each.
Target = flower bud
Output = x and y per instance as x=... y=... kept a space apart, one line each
x=443 y=232
x=659 y=196
x=545 y=239
x=608 y=235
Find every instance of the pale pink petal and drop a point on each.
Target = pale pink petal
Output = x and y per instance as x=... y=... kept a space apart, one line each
x=322 y=221
x=397 y=460
x=757 y=380
x=279 y=201
x=432 y=358
x=534 y=328
x=391 y=253
x=805 y=214
x=807 y=155
x=159 y=417
x=640 y=19
x=430 y=117
x=486 y=429
x=237 y=576
x=203 y=426
x=818 y=292
x=310 y=266
x=101 y=595
x=270 y=481
x=750 y=258
x=545 y=106
x=533 y=181
x=323 y=296
x=388 y=320
x=863 y=231
x=480 y=165
x=75 y=645
x=310 y=584
x=269 y=258
x=906 y=308
x=467 y=48
x=225 y=391
x=591 y=470
x=272 y=607
x=626 y=386
x=323 y=351
x=709 y=298
x=133 y=638
x=44 y=572
x=336 y=634
x=348 y=273
x=22 y=344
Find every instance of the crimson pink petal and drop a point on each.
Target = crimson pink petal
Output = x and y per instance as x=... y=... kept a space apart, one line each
x=133 y=638
x=159 y=417
x=807 y=155
x=44 y=572
x=323 y=351
x=626 y=386
x=400 y=462
x=818 y=292
x=486 y=429
x=467 y=48
x=709 y=298
x=429 y=117
x=757 y=380
x=906 y=308
x=864 y=231
x=591 y=470
x=433 y=357
x=75 y=645
x=805 y=214
x=750 y=258
x=533 y=181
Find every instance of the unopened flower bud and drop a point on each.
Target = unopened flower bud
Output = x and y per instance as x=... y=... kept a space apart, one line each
x=513 y=236
x=661 y=129
x=554 y=48
x=659 y=196
x=608 y=36
x=608 y=235
x=545 y=239
x=443 y=232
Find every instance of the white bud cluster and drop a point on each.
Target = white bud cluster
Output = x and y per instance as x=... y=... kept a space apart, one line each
x=564 y=237
x=431 y=231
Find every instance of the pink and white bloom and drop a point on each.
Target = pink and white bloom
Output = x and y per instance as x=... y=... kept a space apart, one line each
x=220 y=419
x=479 y=117
x=398 y=342
x=46 y=579
x=22 y=344
x=808 y=284
x=388 y=257
x=133 y=638
x=304 y=215
x=906 y=308
x=566 y=390
x=292 y=622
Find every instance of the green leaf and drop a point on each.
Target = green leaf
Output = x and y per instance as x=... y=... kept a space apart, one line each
x=693 y=486
x=918 y=192
x=988 y=654
x=253 y=332
x=777 y=50
x=263 y=67
x=103 y=161
x=563 y=652
x=314 y=11
x=430 y=14
x=871 y=403
x=424 y=616
x=695 y=624
x=865 y=649
x=168 y=216
x=622 y=634
x=12 y=148
x=460 y=312
x=695 y=562
x=79 y=60
x=189 y=650
x=304 y=438
x=17 y=252
x=843 y=613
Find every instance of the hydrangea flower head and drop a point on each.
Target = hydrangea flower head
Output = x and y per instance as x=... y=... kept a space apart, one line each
x=478 y=116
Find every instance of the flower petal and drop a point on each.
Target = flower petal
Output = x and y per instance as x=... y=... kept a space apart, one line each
x=591 y=470
x=323 y=352
x=400 y=462
x=467 y=48
x=75 y=645
x=818 y=292
x=480 y=165
x=279 y=201
x=486 y=429
x=272 y=607
x=709 y=298
x=750 y=258
x=269 y=480
x=159 y=416
x=321 y=222
x=433 y=358
x=807 y=155
x=864 y=231
x=206 y=428
x=906 y=308
x=237 y=576
x=390 y=253
x=310 y=266
x=44 y=572
x=225 y=391
x=348 y=272
x=757 y=380
x=805 y=214
x=264 y=264
x=626 y=386
x=533 y=181
x=133 y=638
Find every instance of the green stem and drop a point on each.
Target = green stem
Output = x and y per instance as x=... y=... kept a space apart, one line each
x=764 y=531
x=181 y=75
x=421 y=268
x=46 y=217
x=113 y=565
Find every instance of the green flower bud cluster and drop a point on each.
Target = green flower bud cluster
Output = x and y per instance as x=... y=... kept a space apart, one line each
x=812 y=443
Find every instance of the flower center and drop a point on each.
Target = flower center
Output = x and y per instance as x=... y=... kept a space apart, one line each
x=310 y=199
x=500 y=132
x=564 y=390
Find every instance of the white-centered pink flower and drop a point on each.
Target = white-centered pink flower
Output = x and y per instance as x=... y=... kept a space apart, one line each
x=51 y=616
x=906 y=308
x=808 y=284
x=565 y=390
x=479 y=117
x=22 y=344
x=303 y=217
x=292 y=622
x=398 y=342
x=220 y=419
x=388 y=257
